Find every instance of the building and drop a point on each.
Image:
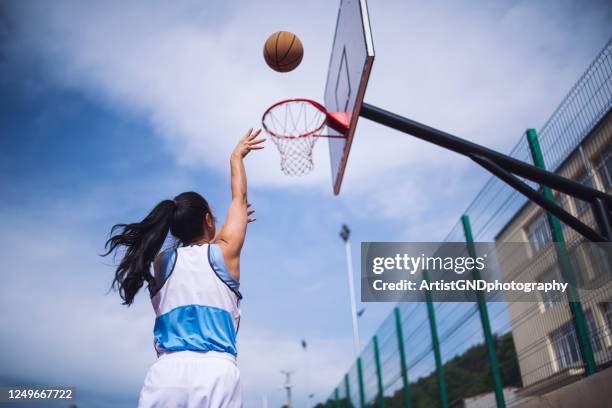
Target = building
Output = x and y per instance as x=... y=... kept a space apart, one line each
x=544 y=335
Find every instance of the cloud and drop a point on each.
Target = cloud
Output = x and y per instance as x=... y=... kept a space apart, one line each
x=196 y=73
x=264 y=355
x=64 y=329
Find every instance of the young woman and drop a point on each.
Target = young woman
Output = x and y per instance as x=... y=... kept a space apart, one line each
x=194 y=291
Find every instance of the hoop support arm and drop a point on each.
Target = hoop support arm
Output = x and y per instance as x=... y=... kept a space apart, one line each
x=539 y=199
x=501 y=165
x=466 y=148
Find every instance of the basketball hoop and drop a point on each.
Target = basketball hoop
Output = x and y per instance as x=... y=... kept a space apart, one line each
x=295 y=125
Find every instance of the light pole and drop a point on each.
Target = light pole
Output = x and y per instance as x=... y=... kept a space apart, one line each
x=306 y=374
x=287 y=386
x=345 y=232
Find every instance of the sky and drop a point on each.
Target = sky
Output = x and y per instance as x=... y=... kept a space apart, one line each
x=108 y=107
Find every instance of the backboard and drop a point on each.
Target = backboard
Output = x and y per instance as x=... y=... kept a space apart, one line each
x=350 y=64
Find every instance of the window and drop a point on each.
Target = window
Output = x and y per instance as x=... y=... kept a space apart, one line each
x=606 y=310
x=589 y=265
x=565 y=345
x=550 y=298
x=594 y=331
x=581 y=272
x=560 y=200
x=583 y=206
x=565 y=342
x=538 y=233
x=604 y=167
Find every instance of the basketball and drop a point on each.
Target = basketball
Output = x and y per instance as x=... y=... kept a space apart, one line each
x=283 y=51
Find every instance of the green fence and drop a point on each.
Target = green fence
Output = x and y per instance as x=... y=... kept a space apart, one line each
x=428 y=354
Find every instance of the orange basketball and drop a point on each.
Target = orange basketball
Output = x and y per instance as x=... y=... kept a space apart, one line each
x=283 y=51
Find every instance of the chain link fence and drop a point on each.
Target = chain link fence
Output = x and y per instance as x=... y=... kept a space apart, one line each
x=487 y=354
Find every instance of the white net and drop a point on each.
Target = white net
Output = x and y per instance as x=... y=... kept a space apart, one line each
x=293 y=126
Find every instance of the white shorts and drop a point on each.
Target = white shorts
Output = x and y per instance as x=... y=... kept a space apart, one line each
x=190 y=379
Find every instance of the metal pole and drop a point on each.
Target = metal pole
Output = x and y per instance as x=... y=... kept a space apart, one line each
x=347 y=386
x=466 y=148
x=435 y=344
x=307 y=374
x=344 y=234
x=360 y=379
x=288 y=386
x=381 y=388
x=484 y=318
x=578 y=318
x=540 y=199
x=402 y=356
x=337 y=397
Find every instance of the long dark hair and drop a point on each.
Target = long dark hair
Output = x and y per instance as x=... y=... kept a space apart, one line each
x=183 y=217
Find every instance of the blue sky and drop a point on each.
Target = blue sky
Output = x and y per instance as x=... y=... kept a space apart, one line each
x=107 y=108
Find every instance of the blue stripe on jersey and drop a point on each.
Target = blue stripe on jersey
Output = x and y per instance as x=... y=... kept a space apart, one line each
x=217 y=263
x=167 y=262
x=197 y=328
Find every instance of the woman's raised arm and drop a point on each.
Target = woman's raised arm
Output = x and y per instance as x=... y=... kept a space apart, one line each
x=231 y=235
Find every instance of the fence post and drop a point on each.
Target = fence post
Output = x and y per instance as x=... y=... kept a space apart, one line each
x=347 y=387
x=402 y=355
x=381 y=390
x=431 y=313
x=484 y=318
x=579 y=319
x=337 y=395
x=360 y=379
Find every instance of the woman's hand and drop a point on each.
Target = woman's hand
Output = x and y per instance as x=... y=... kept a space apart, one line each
x=247 y=143
x=249 y=213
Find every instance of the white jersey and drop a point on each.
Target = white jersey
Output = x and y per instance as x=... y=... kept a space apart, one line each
x=197 y=309
x=197 y=301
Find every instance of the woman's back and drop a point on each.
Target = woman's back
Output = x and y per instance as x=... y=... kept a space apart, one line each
x=197 y=301
x=194 y=291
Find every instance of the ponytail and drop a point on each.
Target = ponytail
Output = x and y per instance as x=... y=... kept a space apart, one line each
x=142 y=241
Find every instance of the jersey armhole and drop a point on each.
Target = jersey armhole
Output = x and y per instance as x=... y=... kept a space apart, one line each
x=217 y=264
x=163 y=268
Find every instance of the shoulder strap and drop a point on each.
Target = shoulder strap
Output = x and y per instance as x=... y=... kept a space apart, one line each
x=163 y=268
x=217 y=263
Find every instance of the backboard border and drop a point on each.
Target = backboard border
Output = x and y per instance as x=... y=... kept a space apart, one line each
x=367 y=33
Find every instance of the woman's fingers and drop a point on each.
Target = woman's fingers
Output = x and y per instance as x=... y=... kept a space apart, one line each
x=249 y=213
x=247 y=134
x=250 y=142
x=252 y=135
x=258 y=141
x=255 y=144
